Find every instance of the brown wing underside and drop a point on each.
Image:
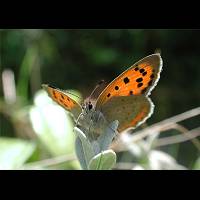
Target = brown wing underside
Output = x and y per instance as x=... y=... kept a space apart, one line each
x=129 y=111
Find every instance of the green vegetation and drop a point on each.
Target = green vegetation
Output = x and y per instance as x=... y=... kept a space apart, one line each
x=35 y=133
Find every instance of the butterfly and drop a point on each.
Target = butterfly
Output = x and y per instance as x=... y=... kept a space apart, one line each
x=125 y=99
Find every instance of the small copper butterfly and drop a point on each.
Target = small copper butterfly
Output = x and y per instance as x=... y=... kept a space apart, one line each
x=125 y=99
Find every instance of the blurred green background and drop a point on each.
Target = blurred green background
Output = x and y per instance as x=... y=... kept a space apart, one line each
x=78 y=60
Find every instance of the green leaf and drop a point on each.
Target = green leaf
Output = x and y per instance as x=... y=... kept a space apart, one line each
x=80 y=153
x=52 y=124
x=84 y=151
x=14 y=152
x=28 y=63
x=197 y=164
x=103 y=161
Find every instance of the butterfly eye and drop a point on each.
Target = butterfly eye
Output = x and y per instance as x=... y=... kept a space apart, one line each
x=90 y=105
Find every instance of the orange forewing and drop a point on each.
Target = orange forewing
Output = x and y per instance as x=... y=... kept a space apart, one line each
x=63 y=100
x=139 y=79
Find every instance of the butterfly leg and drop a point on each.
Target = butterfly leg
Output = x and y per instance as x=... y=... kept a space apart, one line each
x=101 y=116
x=76 y=124
x=90 y=131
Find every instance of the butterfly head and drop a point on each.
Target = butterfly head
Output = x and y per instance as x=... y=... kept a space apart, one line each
x=88 y=106
x=90 y=102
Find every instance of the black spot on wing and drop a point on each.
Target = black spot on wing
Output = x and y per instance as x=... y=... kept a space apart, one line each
x=65 y=105
x=126 y=80
x=131 y=92
x=152 y=76
x=150 y=82
x=54 y=94
x=139 y=80
x=136 y=68
x=140 y=85
x=142 y=70
x=116 y=88
x=144 y=90
x=144 y=73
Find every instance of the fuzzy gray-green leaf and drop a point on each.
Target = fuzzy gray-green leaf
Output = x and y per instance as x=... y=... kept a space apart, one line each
x=80 y=153
x=106 y=138
x=103 y=161
x=87 y=149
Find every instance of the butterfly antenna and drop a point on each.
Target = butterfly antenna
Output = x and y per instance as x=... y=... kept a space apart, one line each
x=97 y=86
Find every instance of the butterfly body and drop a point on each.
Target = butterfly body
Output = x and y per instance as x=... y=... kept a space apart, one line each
x=125 y=99
x=92 y=122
